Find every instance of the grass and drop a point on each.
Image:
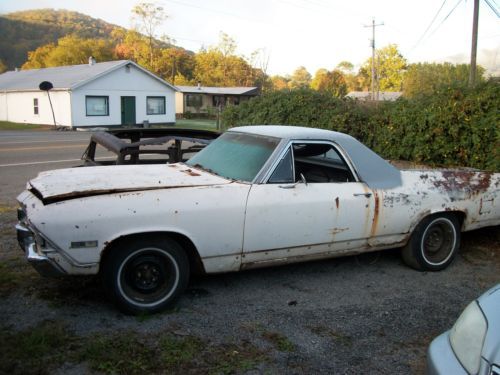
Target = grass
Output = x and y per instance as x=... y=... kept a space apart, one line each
x=177 y=352
x=123 y=353
x=44 y=348
x=280 y=342
x=130 y=353
x=339 y=337
x=202 y=124
x=7 y=125
x=14 y=274
x=36 y=350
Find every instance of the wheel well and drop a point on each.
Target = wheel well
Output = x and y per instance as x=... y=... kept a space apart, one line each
x=195 y=263
x=460 y=215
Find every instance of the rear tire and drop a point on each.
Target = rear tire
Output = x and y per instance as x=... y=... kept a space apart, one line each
x=145 y=275
x=433 y=244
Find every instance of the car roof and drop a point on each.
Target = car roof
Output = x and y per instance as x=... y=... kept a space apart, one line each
x=291 y=132
x=376 y=172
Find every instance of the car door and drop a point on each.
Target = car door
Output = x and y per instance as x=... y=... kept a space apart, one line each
x=310 y=205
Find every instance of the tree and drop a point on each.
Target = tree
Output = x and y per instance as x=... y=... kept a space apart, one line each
x=346 y=67
x=227 y=45
x=70 y=50
x=219 y=66
x=279 y=82
x=333 y=82
x=319 y=77
x=176 y=65
x=390 y=68
x=3 y=67
x=300 y=79
x=38 y=58
x=149 y=16
x=212 y=68
x=426 y=78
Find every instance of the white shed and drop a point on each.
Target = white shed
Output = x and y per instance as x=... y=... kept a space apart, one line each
x=113 y=93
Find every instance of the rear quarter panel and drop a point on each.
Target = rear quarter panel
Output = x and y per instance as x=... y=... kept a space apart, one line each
x=475 y=194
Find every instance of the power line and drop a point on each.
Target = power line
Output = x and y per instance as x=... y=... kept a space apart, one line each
x=445 y=18
x=215 y=11
x=430 y=24
x=493 y=7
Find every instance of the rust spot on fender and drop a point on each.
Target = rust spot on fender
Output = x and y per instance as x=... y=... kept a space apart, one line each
x=338 y=230
x=191 y=172
x=337 y=202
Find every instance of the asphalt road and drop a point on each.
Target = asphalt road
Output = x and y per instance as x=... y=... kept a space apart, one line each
x=23 y=154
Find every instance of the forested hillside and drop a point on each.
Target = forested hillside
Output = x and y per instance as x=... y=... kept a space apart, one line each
x=27 y=30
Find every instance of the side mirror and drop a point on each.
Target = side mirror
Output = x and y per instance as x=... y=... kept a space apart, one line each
x=292 y=186
x=303 y=179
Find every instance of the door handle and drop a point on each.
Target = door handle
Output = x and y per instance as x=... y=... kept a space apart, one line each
x=366 y=195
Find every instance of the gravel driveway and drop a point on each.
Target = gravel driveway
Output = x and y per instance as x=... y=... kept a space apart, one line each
x=346 y=315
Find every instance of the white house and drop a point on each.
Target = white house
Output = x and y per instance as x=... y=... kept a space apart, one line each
x=197 y=99
x=112 y=93
x=381 y=96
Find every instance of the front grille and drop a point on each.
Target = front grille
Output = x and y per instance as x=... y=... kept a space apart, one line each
x=495 y=370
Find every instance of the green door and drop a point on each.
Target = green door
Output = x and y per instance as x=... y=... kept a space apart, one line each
x=128 y=110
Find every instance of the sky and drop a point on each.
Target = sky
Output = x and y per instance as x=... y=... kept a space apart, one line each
x=312 y=33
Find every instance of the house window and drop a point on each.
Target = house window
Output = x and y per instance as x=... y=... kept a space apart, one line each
x=193 y=100
x=35 y=106
x=155 y=105
x=97 y=105
x=218 y=100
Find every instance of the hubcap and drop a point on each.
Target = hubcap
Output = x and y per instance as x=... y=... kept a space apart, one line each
x=439 y=241
x=148 y=276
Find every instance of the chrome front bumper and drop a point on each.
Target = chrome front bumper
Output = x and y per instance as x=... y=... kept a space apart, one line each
x=44 y=265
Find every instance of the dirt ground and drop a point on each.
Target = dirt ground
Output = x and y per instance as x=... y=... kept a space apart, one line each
x=346 y=315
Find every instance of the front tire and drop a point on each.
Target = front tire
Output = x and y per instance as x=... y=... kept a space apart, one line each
x=145 y=275
x=433 y=244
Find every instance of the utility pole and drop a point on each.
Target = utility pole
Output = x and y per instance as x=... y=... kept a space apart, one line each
x=373 y=25
x=473 y=52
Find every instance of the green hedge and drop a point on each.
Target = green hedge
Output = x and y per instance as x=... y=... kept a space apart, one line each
x=455 y=126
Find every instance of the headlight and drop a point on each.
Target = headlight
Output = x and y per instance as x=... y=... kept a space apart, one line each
x=467 y=337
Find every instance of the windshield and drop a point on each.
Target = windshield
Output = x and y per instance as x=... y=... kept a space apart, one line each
x=236 y=156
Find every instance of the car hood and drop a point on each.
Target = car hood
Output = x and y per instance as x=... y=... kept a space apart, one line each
x=61 y=184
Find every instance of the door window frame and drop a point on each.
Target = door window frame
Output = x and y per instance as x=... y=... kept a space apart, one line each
x=335 y=146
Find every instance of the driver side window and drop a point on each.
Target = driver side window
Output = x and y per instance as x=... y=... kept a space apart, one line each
x=317 y=162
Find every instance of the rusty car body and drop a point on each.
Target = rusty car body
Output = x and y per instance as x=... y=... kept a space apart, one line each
x=145 y=145
x=256 y=196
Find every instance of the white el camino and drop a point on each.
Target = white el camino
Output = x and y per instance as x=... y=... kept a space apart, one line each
x=256 y=196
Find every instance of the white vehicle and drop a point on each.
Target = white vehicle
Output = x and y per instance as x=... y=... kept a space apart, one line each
x=256 y=196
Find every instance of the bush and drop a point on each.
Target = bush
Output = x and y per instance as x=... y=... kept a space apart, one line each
x=302 y=107
x=454 y=126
